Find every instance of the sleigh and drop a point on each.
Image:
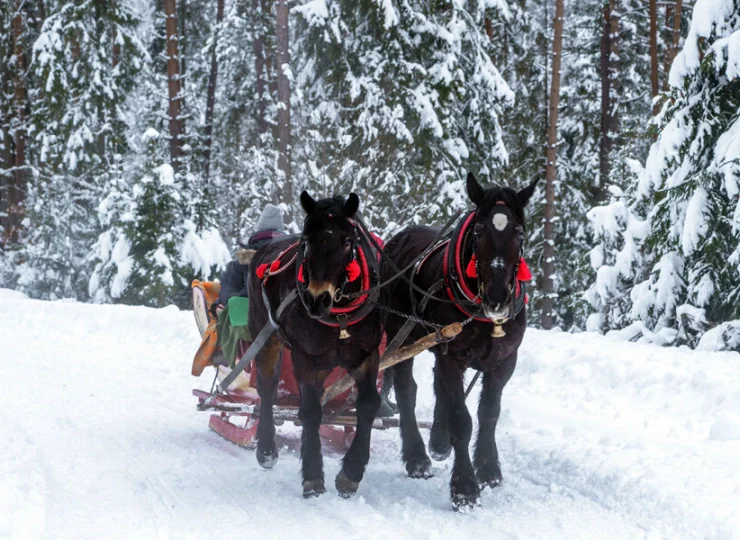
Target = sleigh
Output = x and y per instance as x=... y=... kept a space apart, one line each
x=235 y=411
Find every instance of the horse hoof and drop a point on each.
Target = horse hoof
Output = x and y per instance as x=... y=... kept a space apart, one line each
x=267 y=459
x=439 y=451
x=313 y=488
x=489 y=479
x=465 y=503
x=346 y=487
x=420 y=468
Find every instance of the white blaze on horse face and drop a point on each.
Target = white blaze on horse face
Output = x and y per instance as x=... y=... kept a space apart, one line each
x=500 y=221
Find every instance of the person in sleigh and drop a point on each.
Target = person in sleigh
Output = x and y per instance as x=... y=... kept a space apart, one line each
x=224 y=312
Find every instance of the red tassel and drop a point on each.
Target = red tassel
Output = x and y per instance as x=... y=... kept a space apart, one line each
x=300 y=274
x=275 y=266
x=523 y=274
x=261 y=269
x=353 y=271
x=471 y=271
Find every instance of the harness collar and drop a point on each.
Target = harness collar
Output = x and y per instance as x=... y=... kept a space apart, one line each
x=362 y=267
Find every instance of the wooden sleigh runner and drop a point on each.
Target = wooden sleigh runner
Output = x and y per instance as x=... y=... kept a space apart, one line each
x=236 y=410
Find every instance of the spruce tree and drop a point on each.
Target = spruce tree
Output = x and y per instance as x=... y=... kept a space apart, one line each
x=688 y=190
x=400 y=100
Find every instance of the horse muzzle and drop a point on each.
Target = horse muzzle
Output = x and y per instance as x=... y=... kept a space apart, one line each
x=498 y=313
x=319 y=299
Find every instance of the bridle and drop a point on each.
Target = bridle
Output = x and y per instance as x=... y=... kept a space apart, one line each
x=364 y=258
x=467 y=300
x=512 y=284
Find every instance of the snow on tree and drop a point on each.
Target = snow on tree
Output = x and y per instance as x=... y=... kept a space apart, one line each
x=150 y=251
x=84 y=61
x=689 y=189
x=616 y=259
x=399 y=100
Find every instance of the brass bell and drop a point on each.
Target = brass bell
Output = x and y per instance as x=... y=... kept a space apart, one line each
x=343 y=334
x=498 y=331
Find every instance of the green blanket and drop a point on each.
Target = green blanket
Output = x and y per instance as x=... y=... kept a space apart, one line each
x=232 y=327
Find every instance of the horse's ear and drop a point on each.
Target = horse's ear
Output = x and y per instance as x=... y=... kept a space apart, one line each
x=525 y=194
x=307 y=202
x=351 y=205
x=475 y=190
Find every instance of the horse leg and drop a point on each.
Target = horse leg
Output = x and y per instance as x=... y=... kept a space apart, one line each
x=487 y=468
x=368 y=401
x=464 y=490
x=311 y=384
x=268 y=376
x=412 y=445
x=440 y=447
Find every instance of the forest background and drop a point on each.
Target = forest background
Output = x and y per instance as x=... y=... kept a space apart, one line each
x=140 y=139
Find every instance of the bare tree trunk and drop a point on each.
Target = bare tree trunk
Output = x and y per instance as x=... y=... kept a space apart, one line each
x=173 y=83
x=609 y=75
x=271 y=79
x=654 y=53
x=211 y=99
x=488 y=27
x=116 y=49
x=548 y=252
x=675 y=37
x=259 y=67
x=41 y=7
x=17 y=191
x=7 y=165
x=285 y=192
x=6 y=155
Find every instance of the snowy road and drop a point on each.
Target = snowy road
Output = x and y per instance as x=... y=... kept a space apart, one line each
x=100 y=438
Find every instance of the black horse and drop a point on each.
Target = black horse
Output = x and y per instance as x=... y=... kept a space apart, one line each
x=474 y=276
x=325 y=329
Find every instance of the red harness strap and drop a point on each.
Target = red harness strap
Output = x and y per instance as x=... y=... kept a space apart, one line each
x=356 y=269
x=355 y=304
x=275 y=267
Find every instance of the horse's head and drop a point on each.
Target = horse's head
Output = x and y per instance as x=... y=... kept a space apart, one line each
x=328 y=242
x=498 y=240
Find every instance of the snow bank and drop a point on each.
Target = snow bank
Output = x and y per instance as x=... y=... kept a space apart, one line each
x=9 y=294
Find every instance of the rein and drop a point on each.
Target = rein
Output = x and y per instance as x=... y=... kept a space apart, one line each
x=428 y=250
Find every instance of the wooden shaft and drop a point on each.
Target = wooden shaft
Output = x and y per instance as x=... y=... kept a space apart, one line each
x=399 y=355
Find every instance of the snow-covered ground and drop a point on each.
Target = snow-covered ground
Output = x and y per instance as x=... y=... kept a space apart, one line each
x=99 y=438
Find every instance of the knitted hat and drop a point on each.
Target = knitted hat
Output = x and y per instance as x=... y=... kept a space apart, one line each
x=271 y=218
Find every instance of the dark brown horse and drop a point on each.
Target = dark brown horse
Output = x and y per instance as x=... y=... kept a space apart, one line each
x=331 y=259
x=475 y=277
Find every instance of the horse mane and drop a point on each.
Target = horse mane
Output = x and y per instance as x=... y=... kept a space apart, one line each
x=503 y=194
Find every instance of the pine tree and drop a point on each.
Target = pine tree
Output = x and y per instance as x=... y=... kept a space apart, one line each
x=399 y=101
x=77 y=127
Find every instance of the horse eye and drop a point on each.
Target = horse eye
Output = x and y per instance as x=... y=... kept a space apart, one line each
x=347 y=243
